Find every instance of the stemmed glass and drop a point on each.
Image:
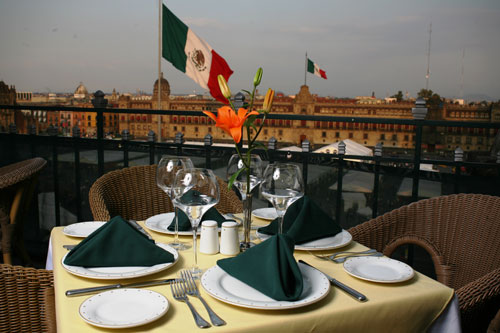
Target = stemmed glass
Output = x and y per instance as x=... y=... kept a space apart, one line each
x=246 y=180
x=165 y=176
x=195 y=191
x=282 y=186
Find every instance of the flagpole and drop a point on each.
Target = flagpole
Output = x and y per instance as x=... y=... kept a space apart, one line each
x=159 y=67
x=305 y=72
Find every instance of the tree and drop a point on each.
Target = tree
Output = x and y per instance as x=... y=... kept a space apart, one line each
x=433 y=99
x=398 y=96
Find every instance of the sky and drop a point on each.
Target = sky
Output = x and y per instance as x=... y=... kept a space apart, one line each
x=364 y=46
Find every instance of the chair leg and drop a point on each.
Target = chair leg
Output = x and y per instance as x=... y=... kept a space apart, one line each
x=6 y=236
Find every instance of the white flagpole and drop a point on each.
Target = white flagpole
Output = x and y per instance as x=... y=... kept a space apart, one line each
x=160 y=9
x=305 y=72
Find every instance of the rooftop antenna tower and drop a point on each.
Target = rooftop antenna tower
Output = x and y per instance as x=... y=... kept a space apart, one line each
x=428 y=74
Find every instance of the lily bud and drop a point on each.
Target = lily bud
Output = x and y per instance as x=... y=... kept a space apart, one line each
x=224 y=89
x=258 y=77
x=268 y=100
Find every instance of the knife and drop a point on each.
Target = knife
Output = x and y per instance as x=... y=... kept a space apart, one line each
x=359 y=296
x=141 y=229
x=91 y=290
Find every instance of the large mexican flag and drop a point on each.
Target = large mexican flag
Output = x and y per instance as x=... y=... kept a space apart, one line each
x=192 y=55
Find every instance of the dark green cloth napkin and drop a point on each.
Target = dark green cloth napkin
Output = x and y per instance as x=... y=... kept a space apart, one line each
x=117 y=243
x=185 y=224
x=268 y=267
x=304 y=221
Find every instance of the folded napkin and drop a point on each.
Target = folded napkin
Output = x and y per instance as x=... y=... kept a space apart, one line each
x=268 y=267
x=117 y=243
x=185 y=224
x=304 y=221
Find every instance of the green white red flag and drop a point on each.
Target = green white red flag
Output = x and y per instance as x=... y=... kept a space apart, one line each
x=192 y=55
x=314 y=69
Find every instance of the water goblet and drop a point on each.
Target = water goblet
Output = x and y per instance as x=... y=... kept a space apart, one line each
x=165 y=176
x=195 y=191
x=282 y=185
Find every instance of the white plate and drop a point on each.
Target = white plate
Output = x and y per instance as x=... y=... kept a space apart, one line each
x=123 y=308
x=265 y=213
x=378 y=269
x=125 y=272
x=228 y=289
x=82 y=229
x=160 y=223
x=341 y=239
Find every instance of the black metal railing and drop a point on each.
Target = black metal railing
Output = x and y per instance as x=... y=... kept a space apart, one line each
x=18 y=146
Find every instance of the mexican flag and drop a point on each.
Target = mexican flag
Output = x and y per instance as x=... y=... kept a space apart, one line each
x=314 y=69
x=192 y=55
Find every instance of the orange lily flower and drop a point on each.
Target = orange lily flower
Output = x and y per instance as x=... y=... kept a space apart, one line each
x=229 y=121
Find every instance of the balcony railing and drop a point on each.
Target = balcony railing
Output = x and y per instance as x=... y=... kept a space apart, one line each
x=76 y=162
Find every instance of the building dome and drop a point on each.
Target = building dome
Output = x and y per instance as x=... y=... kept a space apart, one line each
x=81 y=92
x=165 y=88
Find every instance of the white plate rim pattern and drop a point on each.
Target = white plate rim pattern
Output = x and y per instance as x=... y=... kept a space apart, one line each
x=341 y=239
x=163 y=306
x=152 y=224
x=261 y=213
x=352 y=263
x=74 y=229
x=121 y=272
x=320 y=286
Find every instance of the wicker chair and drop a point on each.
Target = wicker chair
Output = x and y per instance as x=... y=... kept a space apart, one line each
x=133 y=194
x=17 y=184
x=461 y=232
x=27 y=301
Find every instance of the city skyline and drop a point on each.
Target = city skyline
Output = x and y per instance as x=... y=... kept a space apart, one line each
x=364 y=47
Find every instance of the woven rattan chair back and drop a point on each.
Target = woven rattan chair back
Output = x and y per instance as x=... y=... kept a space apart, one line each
x=133 y=194
x=17 y=185
x=26 y=300
x=461 y=232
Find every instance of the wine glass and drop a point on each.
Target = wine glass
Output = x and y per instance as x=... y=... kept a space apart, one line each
x=248 y=177
x=165 y=176
x=282 y=185
x=195 y=191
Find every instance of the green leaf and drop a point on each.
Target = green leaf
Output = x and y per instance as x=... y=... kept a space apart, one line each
x=233 y=178
x=248 y=92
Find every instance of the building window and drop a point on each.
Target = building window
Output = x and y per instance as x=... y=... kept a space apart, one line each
x=468 y=140
x=323 y=134
x=265 y=132
x=210 y=130
x=175 y=128
x=183 y=129
x=196 y=129
x=394 y=137
x=88 y=117
x=458 y=139
x=337 y=134
x=479 y=140
x=382 y=136
x=280 y=132
x=351 y=135
x=365 y=136
x=406 y=138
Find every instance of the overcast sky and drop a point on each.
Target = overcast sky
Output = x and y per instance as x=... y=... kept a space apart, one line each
x=363 y=45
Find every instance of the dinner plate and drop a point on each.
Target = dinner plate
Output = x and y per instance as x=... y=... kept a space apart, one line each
x=122 y=308
x=160 y=223
x=341 y=239
x=82 y=229
x=121 y=272
x=228 y=289
x=378 y=269
x=265 y=213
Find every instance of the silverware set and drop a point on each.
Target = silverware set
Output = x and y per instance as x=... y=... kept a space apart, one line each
x=340 y=257
x=185 y=286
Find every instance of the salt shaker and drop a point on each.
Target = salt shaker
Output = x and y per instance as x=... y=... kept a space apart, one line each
x=229 y=239
x=209 y=238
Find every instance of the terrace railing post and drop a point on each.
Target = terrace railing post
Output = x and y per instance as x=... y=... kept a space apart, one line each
x=125 y=139
x=419 y=112
x=458 y=158
x=100 y=103
x=76 y=141
x=179 y=140
x=306 y=150
x=151 y=141
x=32 y=134
x=271 y=148
x=378 y=155
x=53 y=132
x=209 y=141
x=13 y=136
x=338 y=208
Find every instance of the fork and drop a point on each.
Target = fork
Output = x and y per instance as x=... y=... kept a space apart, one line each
x=342 y=259
x=179 y=293
x=192 y=290
x=333 y=256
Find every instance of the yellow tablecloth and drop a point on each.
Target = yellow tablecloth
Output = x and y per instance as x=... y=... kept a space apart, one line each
x=402 y=307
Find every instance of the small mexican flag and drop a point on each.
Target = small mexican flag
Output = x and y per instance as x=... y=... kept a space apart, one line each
x=314 y=68
x=192 y=55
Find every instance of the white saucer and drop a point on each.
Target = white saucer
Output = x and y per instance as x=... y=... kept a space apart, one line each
x=265 y=213
x=82 y=229
x=341 y=239
x=378 y=269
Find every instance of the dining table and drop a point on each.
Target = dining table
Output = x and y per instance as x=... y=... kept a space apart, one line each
x=409 y=306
